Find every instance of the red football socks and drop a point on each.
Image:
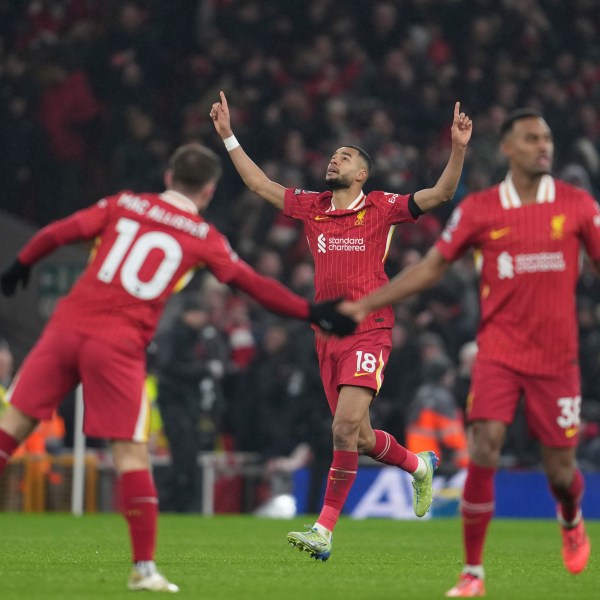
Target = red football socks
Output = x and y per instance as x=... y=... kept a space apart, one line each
x=388 y=451
x=477 y=508
x=569 y=499
x=139 y=505
x=8 y=444
x=342 y=474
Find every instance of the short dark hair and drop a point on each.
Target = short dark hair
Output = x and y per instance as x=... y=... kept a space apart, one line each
x=364 y=155
x=193 y=166
x=517 y=115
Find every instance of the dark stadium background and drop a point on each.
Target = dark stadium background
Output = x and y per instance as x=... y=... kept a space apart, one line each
x=94 y=95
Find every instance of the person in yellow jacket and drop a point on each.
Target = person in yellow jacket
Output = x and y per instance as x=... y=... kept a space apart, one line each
x=6 y=372
x=434 y=420
x=52 y=430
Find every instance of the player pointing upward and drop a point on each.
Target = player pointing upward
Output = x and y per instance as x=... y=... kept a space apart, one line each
x=528 y=230
x=349 y=233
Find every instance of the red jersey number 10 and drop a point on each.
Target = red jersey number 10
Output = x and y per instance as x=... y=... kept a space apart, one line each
x=137 y=251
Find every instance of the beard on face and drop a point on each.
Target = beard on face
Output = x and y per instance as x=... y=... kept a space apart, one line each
x=337 y=184
x=541 y=171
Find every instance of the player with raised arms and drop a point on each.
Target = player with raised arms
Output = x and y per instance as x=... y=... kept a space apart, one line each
x=349 y=233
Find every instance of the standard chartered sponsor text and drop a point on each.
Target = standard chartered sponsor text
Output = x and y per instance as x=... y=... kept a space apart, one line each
x=540 y=262
x=346 y=244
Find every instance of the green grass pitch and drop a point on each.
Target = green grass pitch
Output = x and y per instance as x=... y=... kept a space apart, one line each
x=57 y=556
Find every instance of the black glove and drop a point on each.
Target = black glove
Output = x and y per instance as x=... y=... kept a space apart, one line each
x=325 y=315
x=11 y=277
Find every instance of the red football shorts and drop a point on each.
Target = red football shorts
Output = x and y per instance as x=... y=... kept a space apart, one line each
x=357 y=360
x=112 y=379
x=552 y=402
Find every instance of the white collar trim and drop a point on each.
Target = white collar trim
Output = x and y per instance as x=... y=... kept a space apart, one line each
x=509 y=198
x=356 y=204
x=180 y=201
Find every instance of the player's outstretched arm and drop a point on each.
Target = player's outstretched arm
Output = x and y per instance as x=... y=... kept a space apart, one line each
x=444 y=189
x=81 y=225
x=252 y=175
x=411 y=280
x=279 y=299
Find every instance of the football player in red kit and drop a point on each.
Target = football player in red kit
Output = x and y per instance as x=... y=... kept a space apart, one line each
x=146 y=246
x=349 y=233
x=528 y=232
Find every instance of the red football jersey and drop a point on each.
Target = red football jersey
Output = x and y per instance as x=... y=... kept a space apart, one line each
x=147 y=245
x=529 y=259
x=350 y=246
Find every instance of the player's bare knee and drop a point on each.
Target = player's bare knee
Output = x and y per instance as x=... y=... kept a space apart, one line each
x=485 y=442
x=485 y=452
x=129 y=456
x=559 y=474
x=559 y=465
x=560 y=479
x=345 y=434
x=17 y=424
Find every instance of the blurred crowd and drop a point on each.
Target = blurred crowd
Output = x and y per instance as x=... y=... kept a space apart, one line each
x=94 y=95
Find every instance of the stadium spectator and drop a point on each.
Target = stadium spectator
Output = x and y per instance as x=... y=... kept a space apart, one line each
x=588 y=453
x=140 y=152
x=349 y=234
x=529 y=230
x=589 y=340
x=68 y=110
x=47 y=437
x=190 y=360
x=267 y=424
x=443 y=315
x=401 y=61
x=402 y=378
x=22 y=139
x=6 y=371
x=148 y=243
x=434 y=420
x=462 y=385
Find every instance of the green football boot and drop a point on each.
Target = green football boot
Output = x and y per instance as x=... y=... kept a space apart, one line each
x=311 y=541
x=422 y=488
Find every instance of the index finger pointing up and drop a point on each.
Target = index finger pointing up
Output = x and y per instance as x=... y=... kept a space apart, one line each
x=456 y=111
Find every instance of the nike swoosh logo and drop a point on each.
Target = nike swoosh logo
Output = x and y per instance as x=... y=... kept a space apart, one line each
x=496 y=234
x=361 y=374
x=572 y=432
x=321 y=218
